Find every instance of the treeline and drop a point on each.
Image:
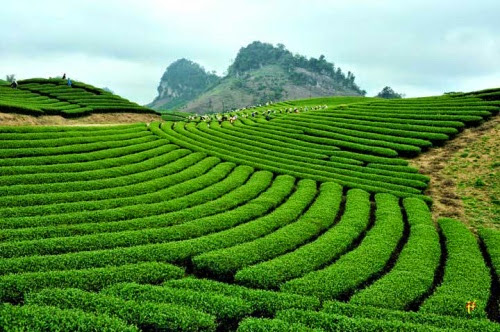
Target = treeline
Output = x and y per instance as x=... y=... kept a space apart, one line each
x=185 y=73
x=258 y=54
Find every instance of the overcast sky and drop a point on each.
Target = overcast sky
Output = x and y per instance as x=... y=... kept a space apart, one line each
x=418 y=47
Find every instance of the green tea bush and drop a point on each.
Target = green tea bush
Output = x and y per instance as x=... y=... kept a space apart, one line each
x=357 y=266
x=466 y=276
x=427 y=319
x=45 y=318
x=226 y=309
x=320 y=215
x=263 y=302
x=13 y=287
x=145 y=315
x=413 y=275
x=315 y=254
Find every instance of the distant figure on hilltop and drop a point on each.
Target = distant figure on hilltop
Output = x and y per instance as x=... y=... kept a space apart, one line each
x=64 y=76
x=69 y=82
x=14 y=84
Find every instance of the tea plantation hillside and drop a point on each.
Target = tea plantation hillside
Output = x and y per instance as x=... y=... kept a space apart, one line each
x=298 y=216
x=55 y=97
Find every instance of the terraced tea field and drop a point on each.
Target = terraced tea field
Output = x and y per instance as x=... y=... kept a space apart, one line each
x=54 y=97
x=309 y=221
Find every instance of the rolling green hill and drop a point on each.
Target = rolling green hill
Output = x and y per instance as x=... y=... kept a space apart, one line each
x=260 y=73
x=281 y=221
x=54 y=97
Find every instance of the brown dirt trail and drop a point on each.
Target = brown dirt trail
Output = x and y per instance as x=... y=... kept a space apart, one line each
x=10 y=119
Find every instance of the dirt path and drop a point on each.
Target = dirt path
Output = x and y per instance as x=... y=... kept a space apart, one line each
x=10 y=119
x=443 y=187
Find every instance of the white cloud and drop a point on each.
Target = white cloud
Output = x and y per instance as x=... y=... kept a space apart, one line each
x=417 y=47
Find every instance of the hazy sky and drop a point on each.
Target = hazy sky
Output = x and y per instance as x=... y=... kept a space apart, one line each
x=417 y=47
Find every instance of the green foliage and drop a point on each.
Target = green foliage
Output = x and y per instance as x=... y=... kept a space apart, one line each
x=130 y=174
x=257 y=157
x=209 y=262
x=460 y=285
x=187 y=80
x=73 y=148
x=316 y=219
x=258 y=54
x=491 y=240
x=263 y=302
x=55 y=97
x=14 y=286
x=357 y=266
x=413 y=275
x=275 y=141
x=428 y=319
x=93 y=208
x=46 y=318
x=479 y=183
x=59 y=245
x=41 y=143
x=226 y=309
x=94 y=170
x=185 y=73
x=178 y=251
x=225 y=132
x=145 y=315
x=202 y=218
x=388 y=93
x=270 y=325
x=331 y=322
x=402 y=135
x=312 y=256
x=154 y=201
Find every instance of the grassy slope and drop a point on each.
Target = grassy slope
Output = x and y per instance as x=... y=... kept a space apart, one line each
x=476 y=169
x=309 y=102
x=230 y=93
x=330 y=101
x=481 y=160
x=53 y=97
x=269 y=83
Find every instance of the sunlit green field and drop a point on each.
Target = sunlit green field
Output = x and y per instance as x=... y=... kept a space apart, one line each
x=309 y=220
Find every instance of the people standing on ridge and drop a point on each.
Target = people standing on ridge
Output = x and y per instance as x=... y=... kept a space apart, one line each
x=14 y=84
x=69 y=82
x=64 y=76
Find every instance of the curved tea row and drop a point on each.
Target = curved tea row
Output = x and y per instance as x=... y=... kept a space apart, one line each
x=197 y=227
x=56 y=97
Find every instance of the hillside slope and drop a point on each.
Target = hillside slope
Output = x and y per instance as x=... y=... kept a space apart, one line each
x=283 y=221
x=183 y=81
x=259 y=74
x=465 y=179
x=40 y=96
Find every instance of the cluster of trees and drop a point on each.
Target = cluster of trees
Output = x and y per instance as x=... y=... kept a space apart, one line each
x=187 y=80
x=184 y=74
x=389 y=93
x=258 y=54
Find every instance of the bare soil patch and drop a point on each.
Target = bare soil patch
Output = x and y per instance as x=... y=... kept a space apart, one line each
x=10 y=119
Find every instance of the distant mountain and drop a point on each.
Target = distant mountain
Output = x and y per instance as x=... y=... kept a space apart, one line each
x=182 y=82
x=260 y=73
